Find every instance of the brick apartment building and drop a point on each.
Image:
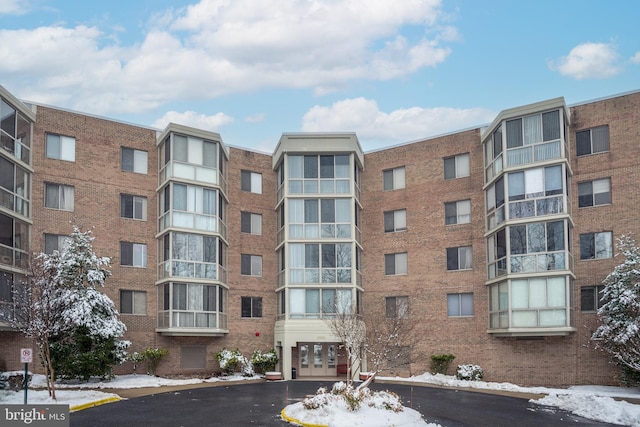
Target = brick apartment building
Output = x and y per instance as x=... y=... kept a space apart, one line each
x=494 y=240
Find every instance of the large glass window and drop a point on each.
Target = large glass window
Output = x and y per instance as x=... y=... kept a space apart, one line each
x=536 y=192
x=194 y=207
x=320 y=263
x=191 y=305
x=14 y=241
x=14 y=187
x=537 y=247
x=326 y=174
x=534 y=303
x=190 y=255
x=325 y=218
x=533 y=138
x=316 y=303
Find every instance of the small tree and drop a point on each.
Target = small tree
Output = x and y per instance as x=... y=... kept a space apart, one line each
x=619 y=333
x=61 y=300
x=350 y=329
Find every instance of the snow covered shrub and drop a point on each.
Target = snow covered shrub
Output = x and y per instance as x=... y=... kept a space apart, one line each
x=151 y=357
x=354 y=398
x=229 y=360
x=320 y=399
x=469 y=372
x=136 y=358
x=13 y=380
x=440 y=363
x=386 y=400
x=264 y=362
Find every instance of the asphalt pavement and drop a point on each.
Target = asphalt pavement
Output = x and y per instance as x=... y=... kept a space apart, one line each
x=260 y=404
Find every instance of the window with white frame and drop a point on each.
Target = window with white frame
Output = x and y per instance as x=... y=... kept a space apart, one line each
x=251 y=306
x=250 y=223
x=316 y=303
x=591 y=298
x=191 y=255
x=397 y=307
x=313 y=174
x=456 y=166
x=250 y=265
x=393 y=179
x=134 y=207
x=395 y=264
x=251 y=182
x=15 y=186
x=134 y=160
x=58 y=196
x=133 y=254
x=459 y=258
x=457 y=212
x=320 y=263
x=395 y=221
x=459 y=305
x=326 y=218
x=54 y=242
x=133 y=302
x=61 y=147
x=592 y=141
x=533 y=138
x=596 y=245
x=536 y=192
x=594 y=193
x=538 y=246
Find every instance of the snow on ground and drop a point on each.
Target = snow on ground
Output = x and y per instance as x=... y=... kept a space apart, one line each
x=593 y=402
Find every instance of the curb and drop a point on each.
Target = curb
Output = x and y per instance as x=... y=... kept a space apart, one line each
x=94 y=403
x=295 y=421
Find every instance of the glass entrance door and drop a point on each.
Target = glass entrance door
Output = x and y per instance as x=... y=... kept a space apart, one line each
x=317 y=359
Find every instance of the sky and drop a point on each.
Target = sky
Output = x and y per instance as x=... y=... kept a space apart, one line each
x=592 y=402
x=391 y=71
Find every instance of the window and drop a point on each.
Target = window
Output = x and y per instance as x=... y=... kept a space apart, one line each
x=395 y=221
x=316 y=303
x=133 y=302
x=592 y=141
x=326 y=218
x=594 y=193
x=457 y=212
x=315 y=263
x=591 y=298
x=397 y=307
x=393 y=179
x=596 y=245
x=536 y=192
x=460 y=305
x=251 y=307
x=251 y=182
x=133 y=207
x=250 y=223
x=133 y=254
x=61 y=147
x=58 y=196
x=537 y=246
x=54 y=242
x=459 y=258
x=395 y=264
x=456 y=166
x=327 y=174
x=134 y=160
x=251 y=265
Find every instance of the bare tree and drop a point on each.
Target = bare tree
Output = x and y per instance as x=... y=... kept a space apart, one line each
x=350 y=329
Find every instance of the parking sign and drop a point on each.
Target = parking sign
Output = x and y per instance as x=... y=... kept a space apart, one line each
x=26 y=355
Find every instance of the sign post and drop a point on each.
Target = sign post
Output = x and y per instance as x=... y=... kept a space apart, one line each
x=26 y=357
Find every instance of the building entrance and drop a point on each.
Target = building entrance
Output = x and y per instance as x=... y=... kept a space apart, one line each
x=318 y=359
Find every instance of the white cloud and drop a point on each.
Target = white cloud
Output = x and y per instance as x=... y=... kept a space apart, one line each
x=588 y=61
x=376 y=128
x=193 y=119
x=218 y=47
x=636 y=58
x=255 y=118
x=13 y=7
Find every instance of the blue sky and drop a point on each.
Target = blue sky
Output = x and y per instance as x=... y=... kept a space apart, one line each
x=392 y=71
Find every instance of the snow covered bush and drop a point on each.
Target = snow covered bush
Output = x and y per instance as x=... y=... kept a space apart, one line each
x=440 y=363
x=229 y=360
x=264 y=362
x=469 y=372
x=353 y=398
